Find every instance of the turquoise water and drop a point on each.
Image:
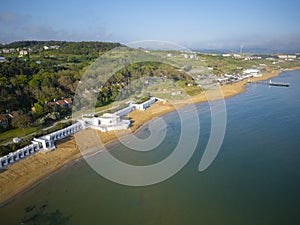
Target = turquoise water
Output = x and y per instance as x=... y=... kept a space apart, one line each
x=255 y=178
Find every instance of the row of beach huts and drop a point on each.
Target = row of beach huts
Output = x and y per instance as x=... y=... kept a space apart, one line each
x=104 y=123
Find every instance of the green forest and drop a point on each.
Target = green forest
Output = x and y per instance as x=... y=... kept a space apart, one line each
x=51 y=70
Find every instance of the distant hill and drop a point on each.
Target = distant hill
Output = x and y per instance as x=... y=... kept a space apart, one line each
x=246 y=50
x=75 y=48
x=31 y=44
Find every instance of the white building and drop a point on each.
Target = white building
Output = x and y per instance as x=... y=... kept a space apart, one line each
x=223 y=80
x=19 y=154
x=226 y=55
x=125 y=111
x=47 y=141
x=42 y=143
x=144 y=105
x=236 y=56
x=286 y=57
x=23 y=53
x=186 y=56
x=113 y=121
x=252 y=73
x=107 y=122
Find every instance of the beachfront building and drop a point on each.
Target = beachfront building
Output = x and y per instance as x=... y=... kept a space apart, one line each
x=252 y=73
x=142 y=106
x=47 y=141
x=223 y=80
x=109 y=122
x=125 y=111
x=106 y=122
x=44 y=143
x=19 y=154
x=114 y=121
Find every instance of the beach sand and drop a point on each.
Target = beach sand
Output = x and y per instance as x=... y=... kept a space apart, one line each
x=26 y=173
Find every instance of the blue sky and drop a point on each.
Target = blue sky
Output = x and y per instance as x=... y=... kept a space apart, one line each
x=195 y=24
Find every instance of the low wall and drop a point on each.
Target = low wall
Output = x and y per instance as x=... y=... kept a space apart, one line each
x=42 y=143
x=124 y=111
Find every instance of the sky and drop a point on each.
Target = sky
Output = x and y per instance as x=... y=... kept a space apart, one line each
x=213 y=24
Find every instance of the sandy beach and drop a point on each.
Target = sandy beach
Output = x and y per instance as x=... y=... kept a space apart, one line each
x=23 y=175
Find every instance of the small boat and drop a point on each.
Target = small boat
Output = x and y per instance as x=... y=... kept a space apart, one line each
x=278 y=84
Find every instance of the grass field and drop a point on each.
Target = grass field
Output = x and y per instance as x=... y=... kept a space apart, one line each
x=7 y=136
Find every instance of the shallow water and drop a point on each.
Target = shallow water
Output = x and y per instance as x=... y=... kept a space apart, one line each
x=255 y=178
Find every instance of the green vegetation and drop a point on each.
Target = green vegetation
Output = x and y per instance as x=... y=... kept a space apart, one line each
x=142 y=99
x=8 y=135
x=51 y=70
x=192 y=91
x=34 y=82
x=33 y=131
x=229 y=65
x=44 y=75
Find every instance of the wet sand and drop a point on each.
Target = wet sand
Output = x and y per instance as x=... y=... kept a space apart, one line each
x=26 y=173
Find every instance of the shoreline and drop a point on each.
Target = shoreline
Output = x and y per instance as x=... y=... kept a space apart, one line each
x=26 y=174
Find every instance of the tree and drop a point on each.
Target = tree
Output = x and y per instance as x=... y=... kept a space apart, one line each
x=21 y=121
x=38 y=110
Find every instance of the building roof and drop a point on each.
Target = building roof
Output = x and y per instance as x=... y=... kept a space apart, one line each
x=2 y=117
x=60 y=102
x=13 y=114
x=51 y=103
x=68 y=100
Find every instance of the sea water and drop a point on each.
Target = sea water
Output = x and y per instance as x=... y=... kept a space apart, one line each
x=255 y=178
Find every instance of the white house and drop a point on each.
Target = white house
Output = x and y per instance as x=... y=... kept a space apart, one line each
x=22 y=53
